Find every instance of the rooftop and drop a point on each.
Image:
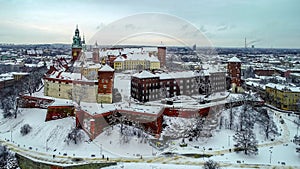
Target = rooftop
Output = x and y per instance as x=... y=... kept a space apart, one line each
x=234 y=59
x=144 y=74
x=283 y=87
x=106 y=68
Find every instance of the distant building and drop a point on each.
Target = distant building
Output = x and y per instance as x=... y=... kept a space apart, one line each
x=161 y=55
x=105 y=84
x=146 y=86
x=76 y=45
x=264 y=71
x=136 y=61
x=234 y=72
x=9 y=79
x=283 y=97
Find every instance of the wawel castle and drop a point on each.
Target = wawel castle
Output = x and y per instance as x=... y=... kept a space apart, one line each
x=89 y=75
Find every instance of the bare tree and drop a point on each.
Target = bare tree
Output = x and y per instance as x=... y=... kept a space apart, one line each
x=210 y=164
x=267 y=123
x=297 y=142
x=231 y=114
x=246 y=141
x=8 y=159
x=78 y=93
x=75 y=135
x=25 y=129
x=197 y=130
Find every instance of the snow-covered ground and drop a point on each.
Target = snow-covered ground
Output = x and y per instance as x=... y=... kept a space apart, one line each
x=48 y=138
x=283 y=150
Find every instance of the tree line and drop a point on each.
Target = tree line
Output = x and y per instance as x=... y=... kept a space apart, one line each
x=9 y=96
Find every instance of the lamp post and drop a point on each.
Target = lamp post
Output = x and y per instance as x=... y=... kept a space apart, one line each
x=11 y=133
x=203 y=152
x=270 y=156
x=47 y=143
x=152 y=150
x=101 y=149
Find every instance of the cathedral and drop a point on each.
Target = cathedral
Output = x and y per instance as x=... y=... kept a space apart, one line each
x=83 y=78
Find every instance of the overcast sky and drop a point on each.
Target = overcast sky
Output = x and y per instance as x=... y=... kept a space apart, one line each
x=265 y=23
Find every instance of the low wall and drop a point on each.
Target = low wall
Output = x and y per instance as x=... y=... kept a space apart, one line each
x=26 y=163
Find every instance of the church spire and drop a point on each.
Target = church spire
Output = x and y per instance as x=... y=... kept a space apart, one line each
x=83 y=39
x=77 y=31
x=77 y=39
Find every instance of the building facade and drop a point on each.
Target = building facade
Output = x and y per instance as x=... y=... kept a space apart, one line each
x=283 y=97
x=105 y=84
x=146 y=86
x=161 y=55
x=234 y=72
x=136 y=61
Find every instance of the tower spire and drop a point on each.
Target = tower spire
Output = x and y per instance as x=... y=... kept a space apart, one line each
x=83 y=39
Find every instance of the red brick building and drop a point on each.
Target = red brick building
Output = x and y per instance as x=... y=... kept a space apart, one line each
x=234 y=72
x=105 y=84
x=264 y=71
x=161 y=55
x=96 y=56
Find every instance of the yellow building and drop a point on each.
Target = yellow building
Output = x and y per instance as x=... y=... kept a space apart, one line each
x=73 y=86
x=19 y=75
x=134 y=61
x=119 y=63
x=283 y=97
x=91 y=71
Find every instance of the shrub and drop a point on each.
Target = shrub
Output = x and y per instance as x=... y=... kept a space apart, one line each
x=25 y=129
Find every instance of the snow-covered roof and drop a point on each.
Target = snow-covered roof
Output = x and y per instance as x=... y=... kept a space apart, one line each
x=94 y=66
x=20 y=73
x=144 y=74
x=142 y=56
x=96 y=108
x=119 y=59
x=234 y=59
x=182 y=74
x=62 y=102
x=87 y=55
x=255 y=84
x=283 y=87
x=106 y=68
x=295 y=74
x=164 y=76
x=68 y=76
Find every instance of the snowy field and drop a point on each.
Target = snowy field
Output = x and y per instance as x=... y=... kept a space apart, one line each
x=52 y=134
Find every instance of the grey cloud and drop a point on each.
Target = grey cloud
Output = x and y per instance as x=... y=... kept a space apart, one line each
x=222 y=27
x=130 y=26
x=100 y=26
x=203 y=29
x=184 y=27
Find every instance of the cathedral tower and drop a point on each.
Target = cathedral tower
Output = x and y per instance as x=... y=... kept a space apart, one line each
x=76 y=45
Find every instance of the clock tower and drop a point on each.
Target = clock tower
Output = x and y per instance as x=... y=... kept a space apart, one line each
x=76 y=45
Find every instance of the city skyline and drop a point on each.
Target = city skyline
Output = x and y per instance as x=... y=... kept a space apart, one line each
x=267 y=24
